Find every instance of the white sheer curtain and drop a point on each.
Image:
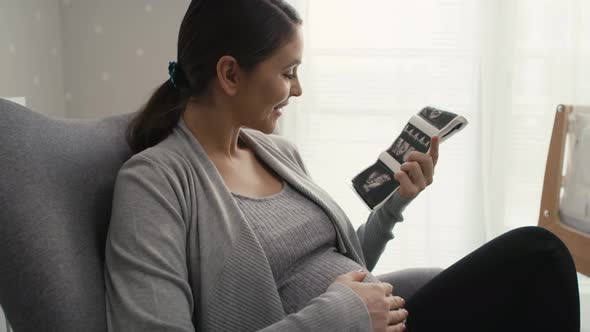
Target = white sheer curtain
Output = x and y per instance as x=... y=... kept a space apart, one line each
x=504 y=65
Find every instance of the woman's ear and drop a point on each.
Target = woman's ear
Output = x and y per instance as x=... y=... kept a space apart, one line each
x=228 y=74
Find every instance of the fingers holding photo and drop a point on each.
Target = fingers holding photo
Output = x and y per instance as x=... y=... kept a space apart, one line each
x=433 y=151
x=426 y=163
x=407 y=189
x=414 y=170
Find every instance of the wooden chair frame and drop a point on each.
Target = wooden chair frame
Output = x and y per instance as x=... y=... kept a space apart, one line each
x=577 y=241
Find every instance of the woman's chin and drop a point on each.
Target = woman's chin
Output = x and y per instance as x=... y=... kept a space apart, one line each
x=265 y=129
x=267 y=126
x=270 y=130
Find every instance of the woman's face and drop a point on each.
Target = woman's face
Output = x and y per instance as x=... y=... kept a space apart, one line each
x=270 y=85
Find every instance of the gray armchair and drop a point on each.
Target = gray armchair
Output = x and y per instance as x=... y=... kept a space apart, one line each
x=56 y=183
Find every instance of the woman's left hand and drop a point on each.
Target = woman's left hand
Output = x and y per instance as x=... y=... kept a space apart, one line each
x=417 y=172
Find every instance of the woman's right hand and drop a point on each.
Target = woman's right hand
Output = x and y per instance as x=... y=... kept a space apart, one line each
x=381 y=304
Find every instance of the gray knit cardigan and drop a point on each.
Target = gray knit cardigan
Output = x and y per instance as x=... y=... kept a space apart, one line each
x=181 y=256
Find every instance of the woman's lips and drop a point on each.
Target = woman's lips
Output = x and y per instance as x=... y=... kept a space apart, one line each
x=279 y=109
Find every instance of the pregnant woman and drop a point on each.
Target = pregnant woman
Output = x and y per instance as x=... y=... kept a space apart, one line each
x=217 y=226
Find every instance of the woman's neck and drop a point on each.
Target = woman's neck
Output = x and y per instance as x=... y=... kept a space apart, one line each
x=216 y=131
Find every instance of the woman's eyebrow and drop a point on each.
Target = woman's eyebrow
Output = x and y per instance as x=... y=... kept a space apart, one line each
x=294 y=62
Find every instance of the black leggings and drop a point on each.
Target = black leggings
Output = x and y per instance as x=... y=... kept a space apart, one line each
x=523 y=280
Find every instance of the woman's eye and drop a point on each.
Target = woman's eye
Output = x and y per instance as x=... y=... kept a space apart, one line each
x=289 y=76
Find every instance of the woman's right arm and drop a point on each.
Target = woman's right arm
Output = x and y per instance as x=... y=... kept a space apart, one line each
x=146 y=273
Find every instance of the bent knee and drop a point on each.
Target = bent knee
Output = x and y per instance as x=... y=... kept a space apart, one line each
x=538 y=240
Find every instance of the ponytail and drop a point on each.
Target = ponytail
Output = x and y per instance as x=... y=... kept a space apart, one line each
x=157 y=118
x=161 y=113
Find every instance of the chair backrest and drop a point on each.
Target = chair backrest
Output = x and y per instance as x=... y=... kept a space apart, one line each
x=56 y=183
x=566 y=223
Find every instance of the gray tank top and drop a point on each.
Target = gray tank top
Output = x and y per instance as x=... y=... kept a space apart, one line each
x=299 y=241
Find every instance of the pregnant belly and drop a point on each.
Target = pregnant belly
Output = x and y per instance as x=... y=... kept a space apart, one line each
x=311 y=277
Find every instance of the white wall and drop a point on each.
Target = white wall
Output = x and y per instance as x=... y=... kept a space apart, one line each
x=31 y=53
x=83 y=58
x=116 y=52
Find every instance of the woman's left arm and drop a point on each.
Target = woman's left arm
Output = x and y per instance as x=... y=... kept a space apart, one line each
x=414 y=176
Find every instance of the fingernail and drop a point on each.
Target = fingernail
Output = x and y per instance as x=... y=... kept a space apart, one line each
x=403 y=326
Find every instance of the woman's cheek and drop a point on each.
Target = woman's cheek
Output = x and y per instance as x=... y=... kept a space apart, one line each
x=286 y=89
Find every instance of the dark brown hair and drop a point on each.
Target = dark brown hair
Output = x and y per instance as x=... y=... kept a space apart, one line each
x=248 y=30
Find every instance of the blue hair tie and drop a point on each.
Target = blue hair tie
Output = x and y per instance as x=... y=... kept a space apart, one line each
x=172 y=71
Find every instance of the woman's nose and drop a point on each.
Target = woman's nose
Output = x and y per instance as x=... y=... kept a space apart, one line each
x=296 y=89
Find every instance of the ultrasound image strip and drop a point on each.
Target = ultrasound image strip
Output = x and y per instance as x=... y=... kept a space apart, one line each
x=411 y=139
x=375 y=183
x=436 y=117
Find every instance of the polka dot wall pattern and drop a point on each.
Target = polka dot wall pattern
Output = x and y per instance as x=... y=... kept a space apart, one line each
x=87 y=59
x=30 y=60
x=117 y=53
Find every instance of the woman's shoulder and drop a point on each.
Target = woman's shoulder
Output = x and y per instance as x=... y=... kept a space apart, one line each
x=159 y=156
x=170 y=154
